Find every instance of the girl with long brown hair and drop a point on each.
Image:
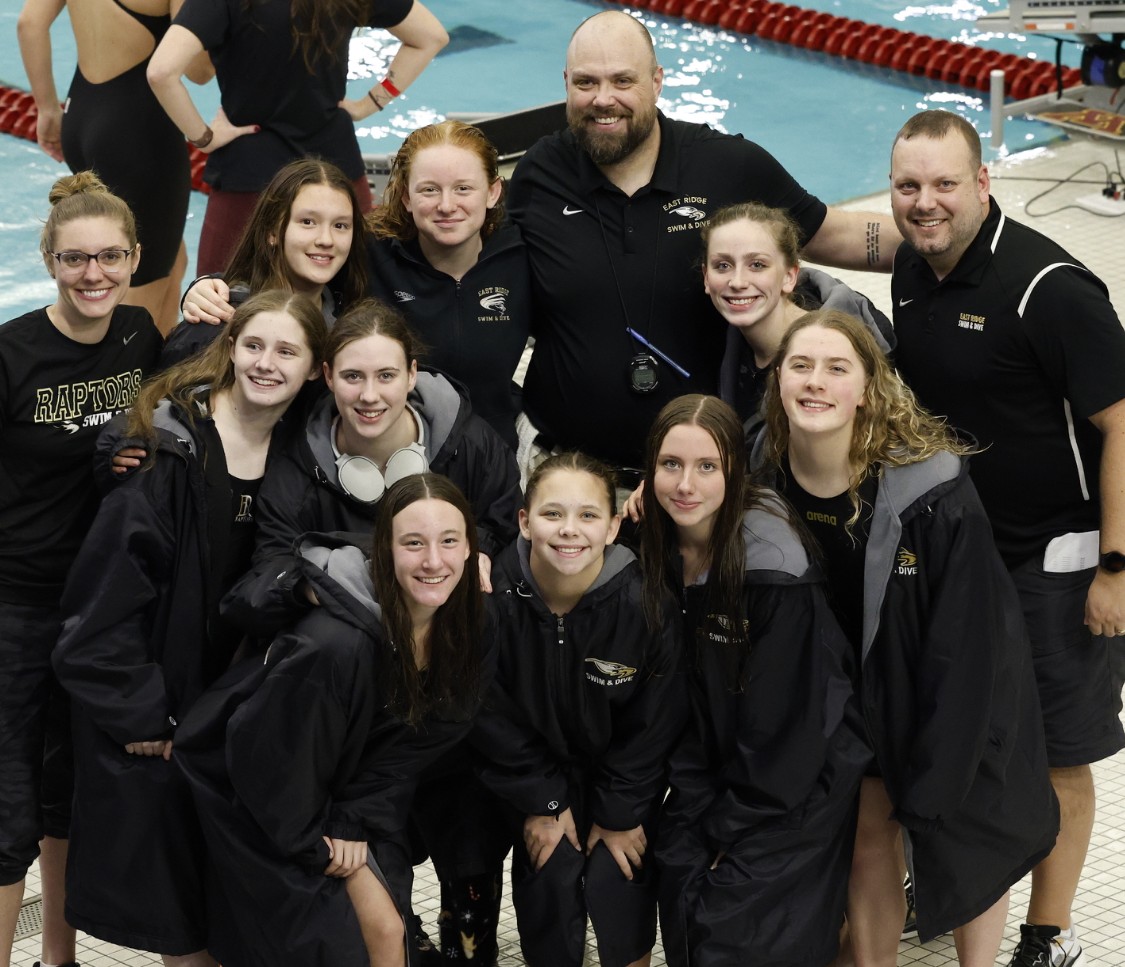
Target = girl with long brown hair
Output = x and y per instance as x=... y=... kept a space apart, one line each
x=305 y=788
x=142 y=636
x=755 y=842
x=941 y=658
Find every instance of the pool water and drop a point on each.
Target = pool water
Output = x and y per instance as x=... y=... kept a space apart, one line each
x=829 y=121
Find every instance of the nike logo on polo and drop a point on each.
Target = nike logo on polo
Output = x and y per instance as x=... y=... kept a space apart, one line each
x=567 y=210
x=125 y=342
x=904 y=302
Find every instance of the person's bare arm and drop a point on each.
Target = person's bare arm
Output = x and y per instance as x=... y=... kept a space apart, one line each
x=176 y=53
x=1105 y=601
x=200 y=70
x=34 y=31
x=422 y=36
x=855 y=240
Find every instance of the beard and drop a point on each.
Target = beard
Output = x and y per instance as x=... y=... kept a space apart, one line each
x=608 y=148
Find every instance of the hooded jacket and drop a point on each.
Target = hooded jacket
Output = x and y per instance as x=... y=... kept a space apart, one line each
x=949 y=696
x=475 y=328
x=299 y=747
x=585 y=706
x=768 y=772
x=301 y=493
x=140 y=642
x=948 y=693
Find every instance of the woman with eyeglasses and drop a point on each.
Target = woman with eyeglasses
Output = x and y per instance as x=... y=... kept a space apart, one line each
x=65 y=370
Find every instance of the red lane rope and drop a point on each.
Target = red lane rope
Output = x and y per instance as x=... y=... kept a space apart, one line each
x=944 y=60
x=18 y=116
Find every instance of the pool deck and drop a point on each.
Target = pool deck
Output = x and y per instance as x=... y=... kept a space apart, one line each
x=1097 y=241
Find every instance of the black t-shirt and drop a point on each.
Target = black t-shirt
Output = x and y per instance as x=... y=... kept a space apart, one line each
x=1019 y=345
x=602 y=260
x=264 y=81
x=55 y=396
x=240 y=548
x=843 y=553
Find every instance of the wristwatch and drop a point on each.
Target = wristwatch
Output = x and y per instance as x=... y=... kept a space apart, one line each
x=1112 y=561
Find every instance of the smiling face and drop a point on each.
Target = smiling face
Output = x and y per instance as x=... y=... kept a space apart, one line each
x=821 y=382
x=429 y=549
x=449 y=197
x=569 y=524
x=939 y=199
x=317 y=237
x=688 y=480
x=272 y=360
x=612 y=85
x=746 y=274
x=370 y=380
x=89 y=294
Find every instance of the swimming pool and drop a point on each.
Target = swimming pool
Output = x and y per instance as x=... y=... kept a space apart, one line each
x=828 y=120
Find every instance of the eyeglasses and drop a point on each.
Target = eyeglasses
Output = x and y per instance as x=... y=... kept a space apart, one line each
x=110 y=259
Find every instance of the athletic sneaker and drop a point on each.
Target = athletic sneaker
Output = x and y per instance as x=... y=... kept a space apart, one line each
x=910 y=925
x=1047 y=947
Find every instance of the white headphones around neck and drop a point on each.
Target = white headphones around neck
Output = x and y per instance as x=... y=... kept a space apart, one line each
x=361 y=478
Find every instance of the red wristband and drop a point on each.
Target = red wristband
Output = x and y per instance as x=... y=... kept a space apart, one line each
x=390 y=88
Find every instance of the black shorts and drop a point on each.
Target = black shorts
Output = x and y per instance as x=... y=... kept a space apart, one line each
x=36 y=758
x=1079 y=675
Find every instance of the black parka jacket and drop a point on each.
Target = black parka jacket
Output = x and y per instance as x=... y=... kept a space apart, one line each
x=585 y=706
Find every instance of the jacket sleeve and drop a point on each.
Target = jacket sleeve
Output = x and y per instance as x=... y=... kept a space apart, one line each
x=103 y=657
x=793 y=698
x=375 y=803
x=283 y=748
x=515 y=761
x=632 y=773
x=111 y=440
x=266 y=599
x=973 y=620
x=692 y=778
x=485 y=469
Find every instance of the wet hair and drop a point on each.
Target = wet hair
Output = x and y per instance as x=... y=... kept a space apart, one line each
x=84 y=195
x=320 y=26
x=642 y=30
x=890 y=428
x=259 y=258
x=783 y=230
x=577 y=463
x=936 y=125
x=391 y=219
x=214 y=368
x=726 y=548
x=450 y=686
x=373 y=317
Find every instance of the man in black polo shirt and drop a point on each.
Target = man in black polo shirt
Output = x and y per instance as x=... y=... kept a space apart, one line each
x=610 y=210
x=1000 y=330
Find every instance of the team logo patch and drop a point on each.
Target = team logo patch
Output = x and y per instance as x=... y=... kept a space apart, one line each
x=496 y=302
x=720 y=628
x=690 y=211
x=404 y=296
x=968 y=321
x=906 y=562
x=609 y=672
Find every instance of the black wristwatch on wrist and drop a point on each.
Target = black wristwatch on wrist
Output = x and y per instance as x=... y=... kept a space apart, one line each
x=1112 y=561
